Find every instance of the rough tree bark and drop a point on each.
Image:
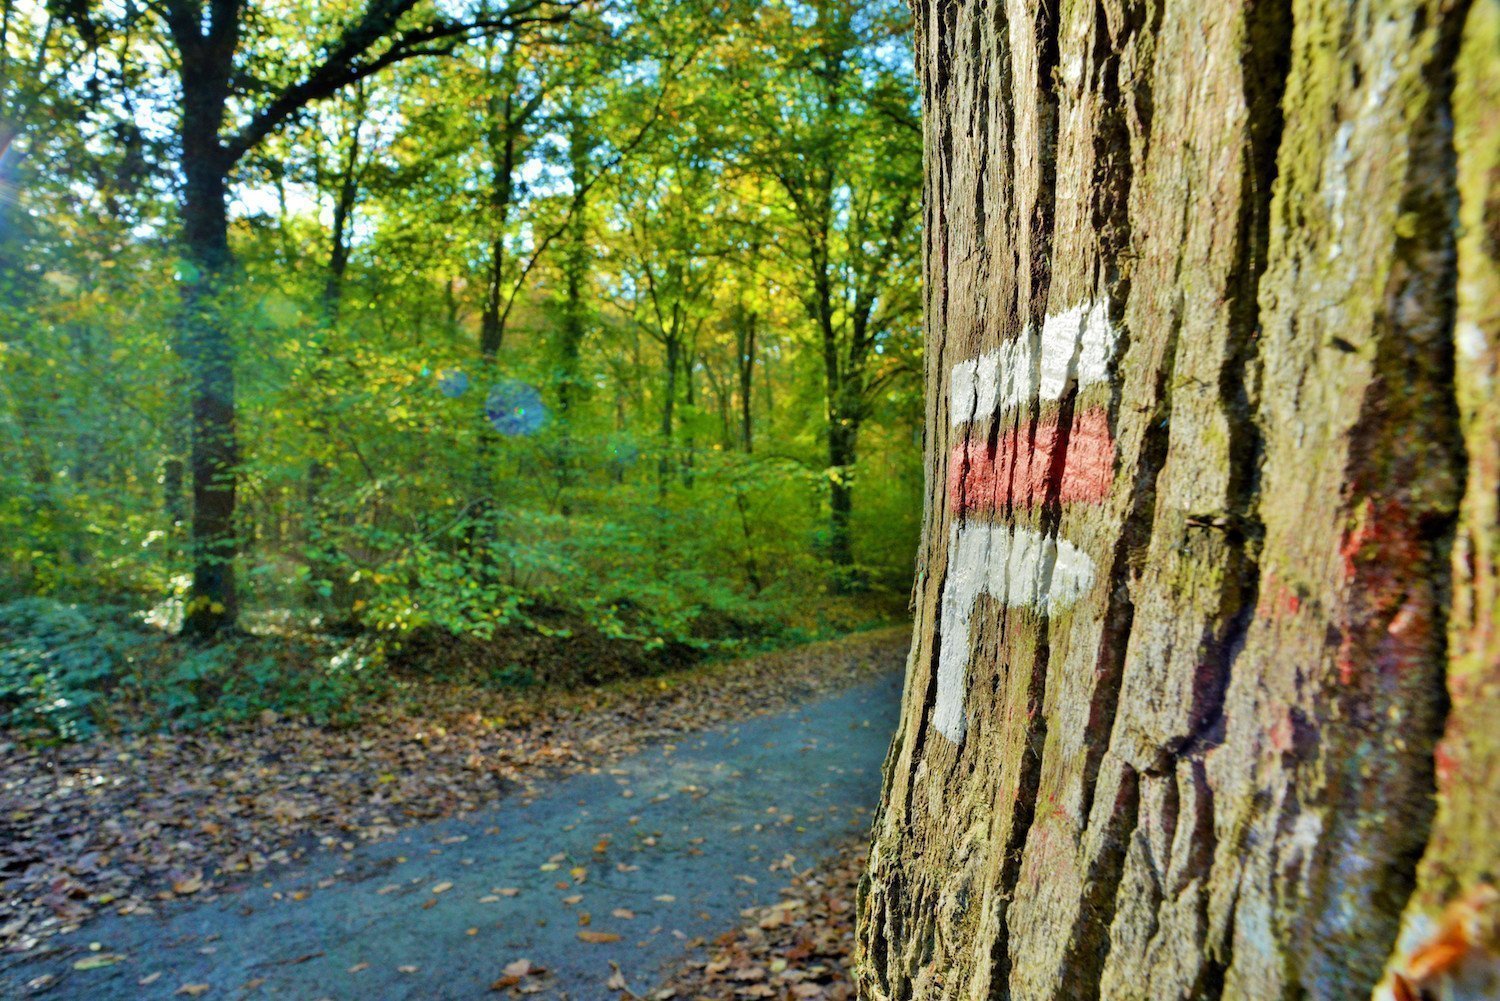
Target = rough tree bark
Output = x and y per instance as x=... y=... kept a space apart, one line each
x=1202 y=697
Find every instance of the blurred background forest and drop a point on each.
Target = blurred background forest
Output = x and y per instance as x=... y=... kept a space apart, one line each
x=347 y=342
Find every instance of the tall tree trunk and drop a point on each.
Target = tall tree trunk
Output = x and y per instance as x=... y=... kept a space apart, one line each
x=502 y=145
x=575 y=268
x=843 y=436
x=501 y=138
x=668 y=409
x=343 y=212
x=570 y=332
x=690 y=400
x=205 y=343
x=744 y=360
x=321 y=568
x=841 y=413
x=1211 y=559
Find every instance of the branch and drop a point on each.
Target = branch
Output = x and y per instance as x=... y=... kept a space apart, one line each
x=351 y=61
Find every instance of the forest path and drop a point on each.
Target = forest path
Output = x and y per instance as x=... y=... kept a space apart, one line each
x=663 y=848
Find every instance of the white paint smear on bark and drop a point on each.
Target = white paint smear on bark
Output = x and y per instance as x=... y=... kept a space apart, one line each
x=1075 y=347
x=1016 y=566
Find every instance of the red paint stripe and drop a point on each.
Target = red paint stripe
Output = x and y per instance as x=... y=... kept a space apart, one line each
x=1016 y=473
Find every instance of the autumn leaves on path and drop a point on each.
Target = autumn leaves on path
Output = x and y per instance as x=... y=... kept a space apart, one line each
x=603 y=880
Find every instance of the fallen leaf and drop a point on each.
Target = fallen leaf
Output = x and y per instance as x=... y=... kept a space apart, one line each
x=193 y=990
x=191 y=884
x=623 y=912
x=98 y=960
x=598 y=937
x=515 y=972
x=442 y=887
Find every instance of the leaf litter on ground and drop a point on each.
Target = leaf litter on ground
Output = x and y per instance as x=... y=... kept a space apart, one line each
x=798 y=949
x=132 y=823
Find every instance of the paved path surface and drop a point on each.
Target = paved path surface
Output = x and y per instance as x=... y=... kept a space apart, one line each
x=689 y=836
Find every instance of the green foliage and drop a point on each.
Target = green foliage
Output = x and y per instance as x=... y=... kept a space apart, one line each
x=688 y=229
x=55 y=665
x=66 y=672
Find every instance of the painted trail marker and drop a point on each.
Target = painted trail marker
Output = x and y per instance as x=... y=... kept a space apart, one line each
x=1032 y=465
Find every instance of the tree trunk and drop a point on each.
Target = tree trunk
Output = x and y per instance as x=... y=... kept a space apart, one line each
x=321 y=568
x=668 y=407
x=1211 y=564
x=690 y=400
x=744 y=357
x=842 y=417
x=843 y=437
x=502 y=146
x=576 y=264
x=343 y=212
x=206 y=347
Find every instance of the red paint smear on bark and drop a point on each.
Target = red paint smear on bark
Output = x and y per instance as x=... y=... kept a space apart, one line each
x=1278 y=600
x=1445 y=763
x=1282 y=733
x=1382 y=565
x=1017 y=473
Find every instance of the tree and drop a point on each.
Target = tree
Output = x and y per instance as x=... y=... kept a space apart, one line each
x=675 y=264
x=233 y=96
x=1202 y=693
x=831 y=123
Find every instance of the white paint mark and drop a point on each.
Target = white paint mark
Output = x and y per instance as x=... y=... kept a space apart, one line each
x=1018 y=567
x=1076 y=346
x=1472 y=343
x=1336 y=184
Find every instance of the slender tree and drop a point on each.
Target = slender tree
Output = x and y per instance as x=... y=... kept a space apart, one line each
x=820 y=131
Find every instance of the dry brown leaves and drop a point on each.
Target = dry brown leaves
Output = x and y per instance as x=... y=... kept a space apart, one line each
x=127 y=823
x=791 y=951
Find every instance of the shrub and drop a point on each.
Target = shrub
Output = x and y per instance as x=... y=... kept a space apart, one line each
x=56 y=663
x=66 y=671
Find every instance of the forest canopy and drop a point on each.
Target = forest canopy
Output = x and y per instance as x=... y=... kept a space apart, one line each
x=408 y=320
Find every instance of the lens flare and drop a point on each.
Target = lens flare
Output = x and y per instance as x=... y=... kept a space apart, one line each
x=514 y=408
